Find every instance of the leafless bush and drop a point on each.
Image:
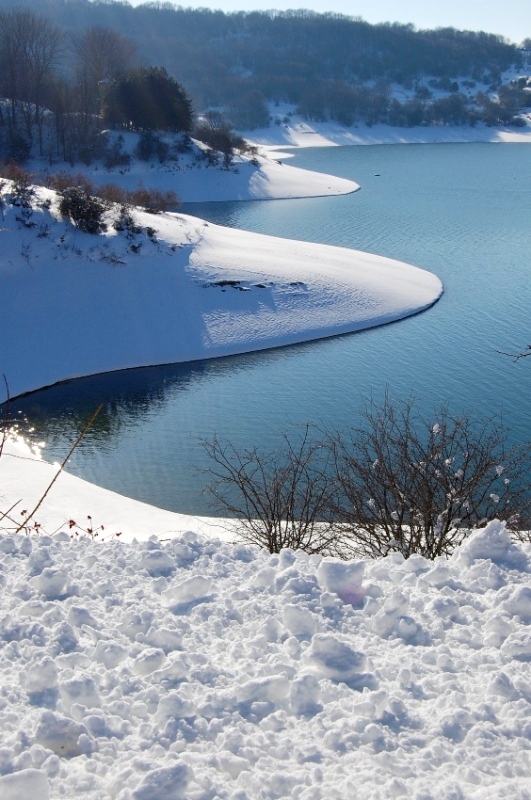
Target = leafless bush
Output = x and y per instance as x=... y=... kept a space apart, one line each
x=14 y=172
x=397 y=483
x=279 y=499
x=112 y=193
x=414 y=485
x=155 y=200
x=60 y=181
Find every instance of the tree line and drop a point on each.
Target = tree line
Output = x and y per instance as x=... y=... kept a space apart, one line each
x=328 y=66
x=59 y=91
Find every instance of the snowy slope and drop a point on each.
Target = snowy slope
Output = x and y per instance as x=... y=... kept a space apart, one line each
x=179 y=290
x=259 y=177
x=293 y=131
x=197 y=670
x=184 y=668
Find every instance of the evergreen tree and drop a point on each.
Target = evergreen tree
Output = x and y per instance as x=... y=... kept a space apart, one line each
x=148 y=99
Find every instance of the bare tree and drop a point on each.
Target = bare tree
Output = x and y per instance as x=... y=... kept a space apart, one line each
x=279 y=499
x=101 y=56
x=414 y=485
x=30 y=47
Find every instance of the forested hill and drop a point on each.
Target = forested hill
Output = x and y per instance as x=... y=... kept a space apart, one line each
x=327 y=65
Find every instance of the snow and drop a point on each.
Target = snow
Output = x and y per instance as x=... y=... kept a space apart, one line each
x=298 y=132
x=158 y=660
x=180 y=290
x=25 y=476
x=187 y=667
x=259 y=177
x=314 y=134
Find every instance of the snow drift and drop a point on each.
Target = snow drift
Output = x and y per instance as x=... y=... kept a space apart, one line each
x=195 y=669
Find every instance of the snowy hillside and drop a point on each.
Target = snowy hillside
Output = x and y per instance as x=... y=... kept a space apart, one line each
x=195 y=670
x=169 y=287
x=195 y=177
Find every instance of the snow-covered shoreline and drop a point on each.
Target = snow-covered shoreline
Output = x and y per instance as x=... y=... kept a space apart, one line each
x=299 y=133
x=178 y=289
x=25 y=477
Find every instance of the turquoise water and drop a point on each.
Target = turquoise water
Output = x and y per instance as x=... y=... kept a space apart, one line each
x=461 y=211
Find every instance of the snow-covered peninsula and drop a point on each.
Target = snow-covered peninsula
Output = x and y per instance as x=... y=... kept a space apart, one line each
x=172 y=288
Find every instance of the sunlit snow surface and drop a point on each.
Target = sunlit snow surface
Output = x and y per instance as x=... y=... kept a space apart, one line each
x=195 y=669
x=178 y=289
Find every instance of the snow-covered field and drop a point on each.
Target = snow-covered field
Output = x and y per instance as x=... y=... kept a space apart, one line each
x=184 y=668
x=177 y=289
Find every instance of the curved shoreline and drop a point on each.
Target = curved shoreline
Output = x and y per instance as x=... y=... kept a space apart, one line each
x=191 y=291
x=300 y=133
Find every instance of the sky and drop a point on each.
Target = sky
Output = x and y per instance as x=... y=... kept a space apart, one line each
x=512 y=21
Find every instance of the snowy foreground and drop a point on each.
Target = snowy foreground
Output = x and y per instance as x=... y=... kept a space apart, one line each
x=186 y=668
x=174 y=289
x=198 y=670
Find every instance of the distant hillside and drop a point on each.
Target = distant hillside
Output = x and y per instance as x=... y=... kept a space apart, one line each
x=326 y=66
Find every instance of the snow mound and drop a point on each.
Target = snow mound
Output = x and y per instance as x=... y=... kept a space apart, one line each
x=493 y=543
x=192 y=669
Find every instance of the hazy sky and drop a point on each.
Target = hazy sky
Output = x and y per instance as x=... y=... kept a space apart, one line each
x=512 y=20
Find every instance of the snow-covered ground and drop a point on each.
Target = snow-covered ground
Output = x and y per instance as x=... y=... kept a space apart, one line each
x=178 y=289
x=259 y=177
x=191 y=669
x=296 y=132
x=25 y=477
x=178 y=667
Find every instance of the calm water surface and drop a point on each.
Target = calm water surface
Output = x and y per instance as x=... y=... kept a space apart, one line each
x=462 y=211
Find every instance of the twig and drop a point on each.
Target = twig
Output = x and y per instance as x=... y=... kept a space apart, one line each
x=6 y=416
x=62 y=466
x=5 y=514
x=517 y=356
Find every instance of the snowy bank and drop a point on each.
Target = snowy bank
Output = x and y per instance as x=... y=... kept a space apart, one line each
x=25 y=477
x=267 y=179
x=193 y=669
x=298 y=132
x=173 y=288
x=195 y=179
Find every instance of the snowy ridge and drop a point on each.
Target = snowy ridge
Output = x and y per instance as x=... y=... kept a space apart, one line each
x=176 y=289
x=194 y=669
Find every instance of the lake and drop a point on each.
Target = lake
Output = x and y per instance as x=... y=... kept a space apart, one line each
x=462 y=211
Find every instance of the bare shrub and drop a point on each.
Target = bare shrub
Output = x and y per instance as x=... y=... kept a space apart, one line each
x=60 y=181
x=399 y=482
x=279 y=499
x=416 y=485
x=112 y=193
x=154 y=200
x=83 y=209
x=14 y=172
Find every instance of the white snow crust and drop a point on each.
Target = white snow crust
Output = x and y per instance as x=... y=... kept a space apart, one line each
x=197 y=669
x=184 y=667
